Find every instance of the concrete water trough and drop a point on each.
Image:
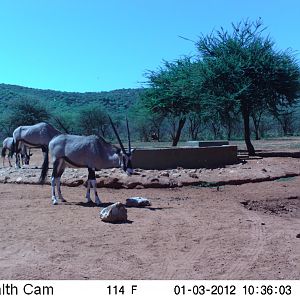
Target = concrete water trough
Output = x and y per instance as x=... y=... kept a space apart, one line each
x=207 y=143
x=185 y=157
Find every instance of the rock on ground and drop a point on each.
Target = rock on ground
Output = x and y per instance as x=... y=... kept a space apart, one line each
x=137 y=202
x=114 y=213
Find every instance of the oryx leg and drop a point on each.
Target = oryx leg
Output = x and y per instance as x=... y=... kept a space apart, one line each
x=22 y=159
x=9 y=157
x=61 y=169
x=3 y=153
x=53 y=182
x=53 y=196
x=58 y=169
x=46 y=156
x=92 y=182
x=17 y=151
x=18 y=160
x=88 y=188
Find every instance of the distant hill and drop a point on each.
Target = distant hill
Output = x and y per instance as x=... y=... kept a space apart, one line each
x=116 y=100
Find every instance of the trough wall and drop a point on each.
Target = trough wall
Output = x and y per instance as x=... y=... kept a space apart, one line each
x=185 y=157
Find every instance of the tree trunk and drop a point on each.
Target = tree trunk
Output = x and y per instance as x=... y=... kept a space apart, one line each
x=194 y=124
x=246 y=118
x=178 y=132
x=229 y=129
x=256 y=122
x=214 y=130
x=229 y=133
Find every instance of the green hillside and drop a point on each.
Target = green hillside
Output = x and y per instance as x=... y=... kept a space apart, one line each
x=115 y=101
x=86 y=113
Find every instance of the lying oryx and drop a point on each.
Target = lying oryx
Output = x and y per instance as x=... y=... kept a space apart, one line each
x=8 y=144
x=35 y=136
x=90 y=152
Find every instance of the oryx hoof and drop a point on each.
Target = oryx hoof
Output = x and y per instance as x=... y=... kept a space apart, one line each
x=54 y=201
x=97 y=201
x=63 y=200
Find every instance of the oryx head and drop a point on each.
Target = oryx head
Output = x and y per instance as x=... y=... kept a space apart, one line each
x=125 y=156
x=26 y=156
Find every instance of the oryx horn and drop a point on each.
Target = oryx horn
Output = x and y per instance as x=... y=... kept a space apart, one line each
x=128 y=134
x=117 y=135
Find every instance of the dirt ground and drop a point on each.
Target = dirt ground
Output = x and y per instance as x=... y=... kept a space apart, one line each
x=247 y=229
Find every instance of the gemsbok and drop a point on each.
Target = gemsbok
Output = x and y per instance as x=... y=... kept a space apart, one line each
x=8 y=144
x=35 y=136
x=90 y=152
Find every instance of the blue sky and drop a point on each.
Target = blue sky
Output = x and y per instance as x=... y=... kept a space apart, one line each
x=101 y=45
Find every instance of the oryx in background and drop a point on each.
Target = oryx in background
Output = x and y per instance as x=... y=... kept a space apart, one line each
x=90 y=152
x=35 y=136
x=8 y=144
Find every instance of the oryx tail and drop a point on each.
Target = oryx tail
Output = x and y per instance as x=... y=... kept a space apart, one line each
x=3 y=152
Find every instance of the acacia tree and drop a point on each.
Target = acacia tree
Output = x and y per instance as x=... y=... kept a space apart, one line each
x=23 y=112
x=93 y=120
x=286 y=118
x=64 y=121
x=172 y=93
x=256 y=116
x=194 y=122
x=156 y=121
x=244 y=66
x=146 y=122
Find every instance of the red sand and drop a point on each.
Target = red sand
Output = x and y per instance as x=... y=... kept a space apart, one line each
x=187 y=233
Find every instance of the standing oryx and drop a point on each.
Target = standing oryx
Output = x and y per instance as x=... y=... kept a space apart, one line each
x=90 y=152
x=35 y=136
x=8 y=144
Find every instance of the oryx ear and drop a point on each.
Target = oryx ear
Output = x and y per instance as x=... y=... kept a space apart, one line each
x=132 y=151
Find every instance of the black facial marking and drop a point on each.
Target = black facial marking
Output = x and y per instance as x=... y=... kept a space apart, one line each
x=124 y=164
x=129 y=164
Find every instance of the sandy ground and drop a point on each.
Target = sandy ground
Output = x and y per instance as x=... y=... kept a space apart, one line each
x=245 y=231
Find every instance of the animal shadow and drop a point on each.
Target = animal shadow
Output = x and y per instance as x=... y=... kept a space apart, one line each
x=146 y=207
x=120 y=222
x=93 y=204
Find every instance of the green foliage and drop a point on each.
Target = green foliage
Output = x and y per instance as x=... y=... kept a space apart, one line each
x=65 y=121
x=243 y=71
x=64 y=108
x=23 y=112
x=172 y=88
x=114 y=101
x=93 y=120
x=28 y=113
x=173 y=93
x=146 y=122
